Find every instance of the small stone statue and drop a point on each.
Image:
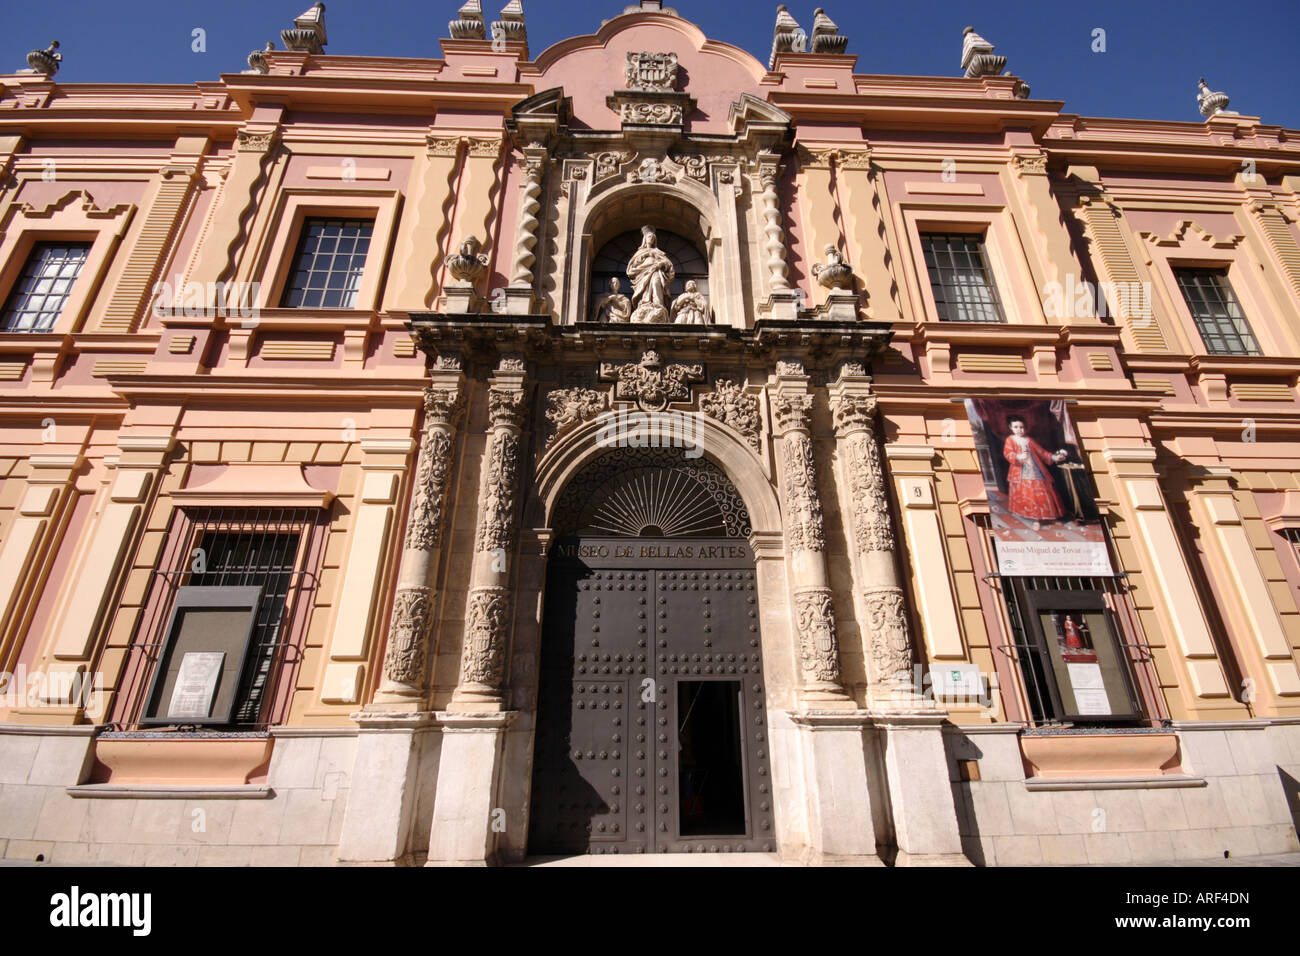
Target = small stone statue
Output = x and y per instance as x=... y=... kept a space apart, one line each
x=44 y=61
x=614 y=306
x=1211 y=103
x=468 y=264
x=836 y=273
x=691 y=307
x=651 y=272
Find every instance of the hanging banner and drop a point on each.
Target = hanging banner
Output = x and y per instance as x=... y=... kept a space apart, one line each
x=1045 y=521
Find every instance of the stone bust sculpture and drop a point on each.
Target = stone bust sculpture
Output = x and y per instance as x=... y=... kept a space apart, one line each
x=613 y=306
x=691 y=307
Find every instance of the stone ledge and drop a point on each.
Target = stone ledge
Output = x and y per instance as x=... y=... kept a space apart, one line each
x=111 y=791
x=1114 y=783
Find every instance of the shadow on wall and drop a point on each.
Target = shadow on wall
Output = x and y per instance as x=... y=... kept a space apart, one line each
x=962 y=752
x=1291 y=787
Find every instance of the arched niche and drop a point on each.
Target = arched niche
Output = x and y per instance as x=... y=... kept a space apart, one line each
x=685 y=208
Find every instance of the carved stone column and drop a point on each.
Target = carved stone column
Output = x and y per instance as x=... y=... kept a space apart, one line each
x=814 y=613
x=519 y=294
x=783 y=301
x=487 y=616
x=889 y=645
x=406 y=662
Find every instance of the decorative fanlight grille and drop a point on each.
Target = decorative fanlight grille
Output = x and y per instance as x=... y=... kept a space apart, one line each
x=652 y=493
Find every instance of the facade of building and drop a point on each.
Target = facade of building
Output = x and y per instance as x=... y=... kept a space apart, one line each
x=642 y=448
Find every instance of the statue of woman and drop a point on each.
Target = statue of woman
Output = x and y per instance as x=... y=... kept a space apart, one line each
x=651 y=273
x=691 y=308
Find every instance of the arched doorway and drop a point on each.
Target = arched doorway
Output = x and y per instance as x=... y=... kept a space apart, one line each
x=652 y=725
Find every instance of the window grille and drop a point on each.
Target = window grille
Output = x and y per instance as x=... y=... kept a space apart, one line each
x=275 y=550
x=1216 y=312
x=43 y=288
x=328 y=266
x=961 y=279
x=1042 y=693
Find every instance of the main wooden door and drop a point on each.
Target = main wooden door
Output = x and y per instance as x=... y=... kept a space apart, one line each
x=652 y=726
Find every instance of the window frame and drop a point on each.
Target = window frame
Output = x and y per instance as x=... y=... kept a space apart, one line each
x=989 y=278
x=1225 y=285
x=279 y=262
x=1007 y=259
x=74 y=217
x=150 y=641
x=300 y=253
x=23 y=274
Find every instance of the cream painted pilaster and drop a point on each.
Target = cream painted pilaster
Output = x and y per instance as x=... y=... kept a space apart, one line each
x=912 y=468
x=1266 y=648
x=1141 y=497
x=254 y=148
x=51 y=477
x=424 y=233
x=869 y=251
x=384 y=461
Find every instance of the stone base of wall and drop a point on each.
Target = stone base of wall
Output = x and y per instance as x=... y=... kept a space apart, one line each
x=294 y=819
x=1236 y=793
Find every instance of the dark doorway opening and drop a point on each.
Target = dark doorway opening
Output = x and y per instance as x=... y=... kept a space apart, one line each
x=710 y=770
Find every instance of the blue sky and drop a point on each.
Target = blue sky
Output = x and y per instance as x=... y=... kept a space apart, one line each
x=1154 y=50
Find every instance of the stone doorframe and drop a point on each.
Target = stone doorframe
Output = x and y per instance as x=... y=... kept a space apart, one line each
x=808 y=753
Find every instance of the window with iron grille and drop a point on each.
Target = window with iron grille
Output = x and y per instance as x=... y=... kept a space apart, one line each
x=228 y=602
x=1216 y=312
x=961 y=279
x=43 y=288
x=329 y=263
x=1076 y=645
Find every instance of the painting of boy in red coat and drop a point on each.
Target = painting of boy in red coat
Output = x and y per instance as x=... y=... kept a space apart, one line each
x=1032 y=493
x=1044 y=517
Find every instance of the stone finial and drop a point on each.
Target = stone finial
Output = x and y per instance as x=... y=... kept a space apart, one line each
x=788 y=36
x=1210 y=103
x=257 y=59
x=468 y=264
x=308 y=34
x=44 y=61
x=836 y=273
x=826 y=35
x=977 y=57
x=470 y=25
x=511 y=27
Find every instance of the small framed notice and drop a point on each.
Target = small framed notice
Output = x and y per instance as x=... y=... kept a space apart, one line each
x=196 y=684
x=203 y=656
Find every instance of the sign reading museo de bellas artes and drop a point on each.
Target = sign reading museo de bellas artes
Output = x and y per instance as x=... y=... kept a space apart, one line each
x=1045 y=521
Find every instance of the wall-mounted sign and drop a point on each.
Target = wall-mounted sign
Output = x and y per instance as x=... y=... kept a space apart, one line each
x=196 y=685
x=1045 y=521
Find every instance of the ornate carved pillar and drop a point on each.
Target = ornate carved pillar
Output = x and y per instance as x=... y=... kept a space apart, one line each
x=487 y=615
x=519 y=294
x=783 y=301
x=889 y=645
x=814 y=613
x=406 y=662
